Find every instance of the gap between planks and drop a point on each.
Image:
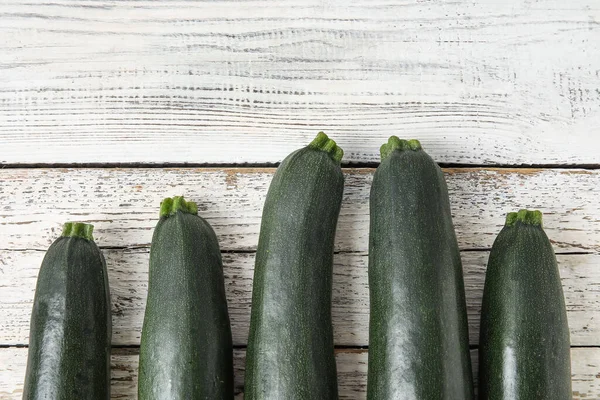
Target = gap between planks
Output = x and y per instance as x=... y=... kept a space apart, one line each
x=120 y=349
x=128 y=275
x=351 y=372
x=242 y=166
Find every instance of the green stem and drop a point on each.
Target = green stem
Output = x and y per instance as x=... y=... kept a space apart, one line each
x=533 y=217
x=324 y=143
x=78 y=229
x=170 y=206
x=394 y=143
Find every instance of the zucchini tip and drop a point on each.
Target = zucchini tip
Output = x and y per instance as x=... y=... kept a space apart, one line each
x=324 y=143
x=395 y=143
x=78 y=229
x=169 y=206
x=533 y=217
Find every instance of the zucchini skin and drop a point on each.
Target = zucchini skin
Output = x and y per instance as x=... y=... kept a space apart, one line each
x=290 y=348
x=186 y=347
x=418 y=332
x=524 y=340
x=70 y=337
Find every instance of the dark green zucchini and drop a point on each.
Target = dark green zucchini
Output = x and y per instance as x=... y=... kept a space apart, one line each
x=186 y=350
x=290 y=349
x=524 y=345
x=69 y=341
x=418 y=333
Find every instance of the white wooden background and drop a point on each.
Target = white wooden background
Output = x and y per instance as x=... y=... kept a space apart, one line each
x=106 y=107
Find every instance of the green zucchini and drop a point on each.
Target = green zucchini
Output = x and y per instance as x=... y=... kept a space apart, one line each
x=70 y=337
x=524 y=339
x=290 y=348
x=186 y=349
x=418 y=333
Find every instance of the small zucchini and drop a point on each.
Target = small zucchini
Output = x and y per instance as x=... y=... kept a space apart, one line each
x=70 y=337
x=524 y=340
x=186 y=350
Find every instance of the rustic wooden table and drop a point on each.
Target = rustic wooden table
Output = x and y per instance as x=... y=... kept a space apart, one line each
x=106 y=107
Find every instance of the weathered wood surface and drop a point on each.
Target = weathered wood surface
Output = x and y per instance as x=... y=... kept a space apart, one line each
x=506 y=82
x=123 y=204
x=352 y=371
x=128 y=274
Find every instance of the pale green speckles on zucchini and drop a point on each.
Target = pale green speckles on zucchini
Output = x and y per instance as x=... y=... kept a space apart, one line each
x=70 y=336
x=290 y=349
x=418 y=336
x=524 y=341
x=186 y=348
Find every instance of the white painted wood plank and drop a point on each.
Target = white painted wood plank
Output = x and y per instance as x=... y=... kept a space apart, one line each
x=124 y=373
x=351 y=368
x=123 y=204
x=128 y=281
x=249 y=81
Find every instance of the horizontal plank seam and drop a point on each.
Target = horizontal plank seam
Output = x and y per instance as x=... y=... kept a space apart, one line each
x=276 y=164
x=244 y=347
x=246 y=251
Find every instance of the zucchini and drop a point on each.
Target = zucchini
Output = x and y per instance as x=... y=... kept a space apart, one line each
x=418 y=333
x=186 y=349
x=290 y=349
x=70 y=337
x=524 y=340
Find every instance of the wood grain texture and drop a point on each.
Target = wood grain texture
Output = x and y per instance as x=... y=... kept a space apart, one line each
x=352 y=373
x=123 y=204
x=128 y=274
x=202 y=82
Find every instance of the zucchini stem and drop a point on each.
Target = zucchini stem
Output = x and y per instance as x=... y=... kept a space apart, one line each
x=324 y=143
x=78 y=229
x=527 y=217
x=395 y=143
x=170 y=206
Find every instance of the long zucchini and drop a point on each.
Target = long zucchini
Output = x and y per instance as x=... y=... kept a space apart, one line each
x=524 y=345
x=70 y=337
x=290 y=349
x=418 y=334
x=186 y=349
